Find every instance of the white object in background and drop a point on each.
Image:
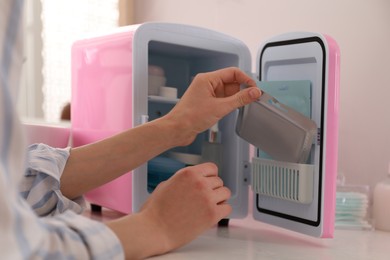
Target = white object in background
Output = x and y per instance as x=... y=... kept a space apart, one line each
x=167 y=92
x=53 y=134
x=352 y=204
x=187 y=158
x=156 y=70
x=381 y=209
x=156 y=79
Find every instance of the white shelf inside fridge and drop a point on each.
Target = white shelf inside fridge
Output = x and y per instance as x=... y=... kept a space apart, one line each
x=161 y=99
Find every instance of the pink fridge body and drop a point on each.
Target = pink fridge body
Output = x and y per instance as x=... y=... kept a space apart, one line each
x=102 y=83
x=111 y=93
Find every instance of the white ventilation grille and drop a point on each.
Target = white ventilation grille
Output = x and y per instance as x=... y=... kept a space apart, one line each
x=283 y=180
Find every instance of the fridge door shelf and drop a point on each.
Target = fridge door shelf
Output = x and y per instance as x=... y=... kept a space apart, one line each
x=283 y=180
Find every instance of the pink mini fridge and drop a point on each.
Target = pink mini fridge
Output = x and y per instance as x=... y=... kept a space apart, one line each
x=116 y=85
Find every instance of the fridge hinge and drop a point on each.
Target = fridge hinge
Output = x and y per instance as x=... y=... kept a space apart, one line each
x=247 y=172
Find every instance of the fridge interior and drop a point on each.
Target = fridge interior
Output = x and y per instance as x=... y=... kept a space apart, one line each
x=179 y=65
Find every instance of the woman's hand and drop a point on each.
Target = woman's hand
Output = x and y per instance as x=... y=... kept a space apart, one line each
x=210 y=97
x=178 y=210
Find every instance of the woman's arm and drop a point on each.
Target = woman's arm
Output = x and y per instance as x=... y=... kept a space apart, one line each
x=95 y=164
x=210 y=97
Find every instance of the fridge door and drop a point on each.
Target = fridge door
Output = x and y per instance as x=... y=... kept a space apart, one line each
x=300 y=196
x=177 y=53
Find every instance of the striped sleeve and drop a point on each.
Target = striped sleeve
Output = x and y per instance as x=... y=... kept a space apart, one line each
x=71 y=236
x=61 y=233
x=41 y=190
x=65 y=236
x=41 y=185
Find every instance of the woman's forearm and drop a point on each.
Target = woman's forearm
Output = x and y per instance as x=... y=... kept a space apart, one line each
x=95 y=164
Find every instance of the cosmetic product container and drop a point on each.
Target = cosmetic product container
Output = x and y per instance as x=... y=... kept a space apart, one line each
x=381 y=209
x=212 y=148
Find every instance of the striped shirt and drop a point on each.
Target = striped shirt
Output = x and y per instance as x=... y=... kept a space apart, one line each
x=36 y=220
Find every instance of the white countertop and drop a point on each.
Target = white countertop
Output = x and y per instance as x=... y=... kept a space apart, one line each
x=248 y=239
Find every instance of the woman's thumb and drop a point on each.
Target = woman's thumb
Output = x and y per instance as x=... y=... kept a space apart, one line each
x=245 y=97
